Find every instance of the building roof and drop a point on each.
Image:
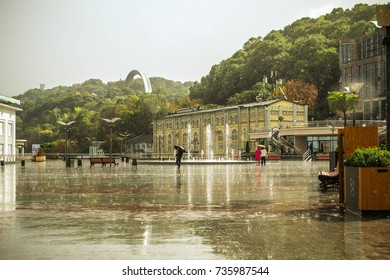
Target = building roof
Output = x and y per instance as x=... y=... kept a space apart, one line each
x=141 y=139
x=191 y=111
x=10 y=103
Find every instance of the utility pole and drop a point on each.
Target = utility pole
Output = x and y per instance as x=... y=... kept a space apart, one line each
x=383 y=18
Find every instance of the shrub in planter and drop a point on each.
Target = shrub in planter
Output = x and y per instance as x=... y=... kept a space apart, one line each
x=367 y=180
x=369 y=157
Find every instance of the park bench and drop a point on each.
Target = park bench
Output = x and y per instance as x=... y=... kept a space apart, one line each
x=103 y=161
x=329 y=179
x=323 y=157
x=108 y=161
x=273 y=157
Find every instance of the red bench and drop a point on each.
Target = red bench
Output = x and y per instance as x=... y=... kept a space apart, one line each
x=108 y=161
x=273 y=157
x=102 y=161
x=323 y=157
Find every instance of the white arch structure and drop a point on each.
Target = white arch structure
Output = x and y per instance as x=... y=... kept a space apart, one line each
x=145 y=78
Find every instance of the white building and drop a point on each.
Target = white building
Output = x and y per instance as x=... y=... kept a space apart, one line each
x=8 y=108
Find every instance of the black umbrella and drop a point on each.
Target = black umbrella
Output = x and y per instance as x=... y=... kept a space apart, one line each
x=179 y=148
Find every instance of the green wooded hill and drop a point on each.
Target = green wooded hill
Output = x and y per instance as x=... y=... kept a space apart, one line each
x=306 y=50
x=86 y=103
x=304 y=55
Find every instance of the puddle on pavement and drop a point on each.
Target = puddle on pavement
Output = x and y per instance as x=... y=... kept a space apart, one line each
x=231 y=211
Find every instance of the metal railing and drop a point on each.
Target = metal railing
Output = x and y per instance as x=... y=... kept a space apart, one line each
x=340 y=123
x=8 y=158
x=306 y=155
x=324 y=123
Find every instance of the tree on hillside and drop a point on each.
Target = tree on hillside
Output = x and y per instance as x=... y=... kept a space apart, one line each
x=297 y=90
x=259 y=90
x=269 y=55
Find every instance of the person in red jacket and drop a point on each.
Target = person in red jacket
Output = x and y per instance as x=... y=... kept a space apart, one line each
x=258 y=155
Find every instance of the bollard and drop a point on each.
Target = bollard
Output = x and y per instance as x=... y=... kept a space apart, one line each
x=122 y=159
x=127 y=159
x=2 y=163
x=68 y=162
x=134 y=163
x=79 y=162
x=23 y=163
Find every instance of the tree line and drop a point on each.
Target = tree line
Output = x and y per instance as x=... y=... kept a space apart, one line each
x=90 y=101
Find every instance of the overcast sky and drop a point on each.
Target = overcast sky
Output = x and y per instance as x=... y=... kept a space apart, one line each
x=63 y=42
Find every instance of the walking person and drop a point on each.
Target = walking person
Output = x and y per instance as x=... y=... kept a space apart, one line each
x=179 y=154
x=263 y=155
x=258 y=155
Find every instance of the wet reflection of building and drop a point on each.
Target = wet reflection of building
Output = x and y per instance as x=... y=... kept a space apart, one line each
x=189 y=180
x=218 y=184
x=8 y=188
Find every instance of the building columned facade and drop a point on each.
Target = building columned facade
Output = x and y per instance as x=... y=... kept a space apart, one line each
x=363 y=71
x=224 y=132
x=8 y=108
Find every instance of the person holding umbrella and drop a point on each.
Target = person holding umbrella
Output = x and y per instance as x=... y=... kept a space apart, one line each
x=258 y=155
x=263 y=154
x=179 y=154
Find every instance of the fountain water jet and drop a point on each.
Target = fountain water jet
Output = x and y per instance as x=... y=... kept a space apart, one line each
x=189 y=131
x=209 y=145
x=227 y=138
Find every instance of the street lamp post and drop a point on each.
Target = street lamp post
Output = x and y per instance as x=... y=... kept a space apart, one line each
x=125 y=136
x=383 y=18
x=67 y=128
x=354 y=88
x=111 y=123
x=332 y=127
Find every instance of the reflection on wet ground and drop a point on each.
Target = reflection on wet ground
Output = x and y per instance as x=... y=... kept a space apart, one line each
x=232 y=211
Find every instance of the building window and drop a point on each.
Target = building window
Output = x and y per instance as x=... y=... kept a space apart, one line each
x=375 y=78
x=322 y=144
x=366 y=79
x=196 y=142
x=220 y=135
x=10 y=130
x=346 y=53
x=359 y=77
x=234 y=135
x=375 y=110
x=169 y=142
x=367 y=110
x=383 y=78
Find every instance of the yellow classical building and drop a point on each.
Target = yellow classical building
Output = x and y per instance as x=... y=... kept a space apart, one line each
x=224 y=132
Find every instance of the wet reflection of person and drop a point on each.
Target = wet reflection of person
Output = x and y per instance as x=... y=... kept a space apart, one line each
x=178 y=181
x=179 y=155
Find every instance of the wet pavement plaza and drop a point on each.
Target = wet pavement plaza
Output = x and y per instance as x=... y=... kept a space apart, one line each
x=205 y=211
